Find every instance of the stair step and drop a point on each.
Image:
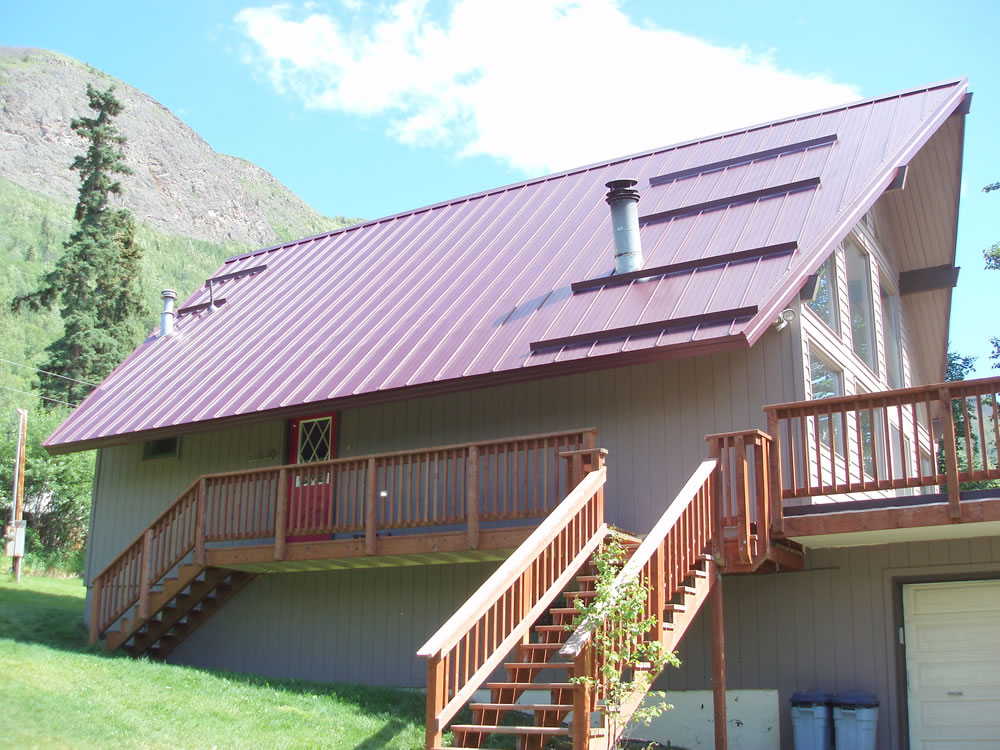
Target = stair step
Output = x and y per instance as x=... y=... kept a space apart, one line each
x=563 y=611
x=550 y=629
x=697 y=573
x=531 y=685
x=586 y=579
x=704 y=557
x=501 y=729
x=675 y=608
x=571 y=595
x=686 y=590
x=541 y=646
x=538 y=665
x=521 y=706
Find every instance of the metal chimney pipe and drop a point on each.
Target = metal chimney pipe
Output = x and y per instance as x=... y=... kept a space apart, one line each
x=169 y=296
x=624 y=201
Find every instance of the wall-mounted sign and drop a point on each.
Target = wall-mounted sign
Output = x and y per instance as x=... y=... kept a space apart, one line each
x=262 y=454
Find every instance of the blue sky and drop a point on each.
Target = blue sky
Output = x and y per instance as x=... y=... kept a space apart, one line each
x=366 y=109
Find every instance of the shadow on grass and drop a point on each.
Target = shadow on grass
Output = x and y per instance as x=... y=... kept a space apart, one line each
x=44 y=618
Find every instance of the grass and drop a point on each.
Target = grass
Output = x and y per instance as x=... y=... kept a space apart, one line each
x=57 y=693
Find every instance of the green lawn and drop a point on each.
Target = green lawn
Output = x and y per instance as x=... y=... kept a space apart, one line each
x=56 y=693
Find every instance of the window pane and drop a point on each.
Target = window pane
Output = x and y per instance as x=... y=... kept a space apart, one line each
x=859 y=293
x=827 y=381
x=890 y=326
x=825 y=302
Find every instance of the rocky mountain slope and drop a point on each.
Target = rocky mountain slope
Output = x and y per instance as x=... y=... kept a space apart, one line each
x=180 y=186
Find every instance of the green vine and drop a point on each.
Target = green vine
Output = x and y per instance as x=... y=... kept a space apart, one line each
x=620 y=643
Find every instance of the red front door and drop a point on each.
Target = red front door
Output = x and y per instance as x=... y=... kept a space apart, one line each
x=310 y=491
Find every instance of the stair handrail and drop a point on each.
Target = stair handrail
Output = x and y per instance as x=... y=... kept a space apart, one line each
x=670 y=549
x=516 y=594
x=698 y=485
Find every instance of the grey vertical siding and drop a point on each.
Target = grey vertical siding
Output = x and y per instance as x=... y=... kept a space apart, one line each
x=653 y=418
x=337 y=626
x=831 y=626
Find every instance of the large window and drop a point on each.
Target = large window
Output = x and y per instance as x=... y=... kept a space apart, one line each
x=859 y=293
x=824 y=304
x=827 y=381
x=890 y=328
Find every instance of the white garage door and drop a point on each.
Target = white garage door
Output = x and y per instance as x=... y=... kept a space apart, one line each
x=952 y=635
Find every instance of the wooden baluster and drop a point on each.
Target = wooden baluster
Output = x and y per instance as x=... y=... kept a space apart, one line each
x=96 y=593
x=950 y=455
x=472 y=497
x=281 y=515
x=658 y=590
x=371 y=511
x=145 y=574
x=742 y=492
x=199 y=523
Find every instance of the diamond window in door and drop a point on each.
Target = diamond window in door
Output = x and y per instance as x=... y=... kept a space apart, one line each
x=315 y=437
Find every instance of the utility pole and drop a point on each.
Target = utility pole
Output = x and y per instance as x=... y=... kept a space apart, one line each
x=16 y=529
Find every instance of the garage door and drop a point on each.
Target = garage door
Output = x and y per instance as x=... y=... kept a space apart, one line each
x=952 y=635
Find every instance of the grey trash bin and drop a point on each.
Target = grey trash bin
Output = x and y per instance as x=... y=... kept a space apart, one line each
x=855 y=720
x=811 y=720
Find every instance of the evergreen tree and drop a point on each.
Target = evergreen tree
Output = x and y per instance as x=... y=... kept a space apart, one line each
x=96 y=281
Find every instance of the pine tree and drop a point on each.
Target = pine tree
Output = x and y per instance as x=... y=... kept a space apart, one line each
x=96 y=281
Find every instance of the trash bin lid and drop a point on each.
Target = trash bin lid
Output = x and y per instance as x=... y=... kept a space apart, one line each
x=810 y=698
x=855 y=699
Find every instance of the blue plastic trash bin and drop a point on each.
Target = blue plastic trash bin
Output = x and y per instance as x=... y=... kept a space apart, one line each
x=855 y=720
x=811 y=720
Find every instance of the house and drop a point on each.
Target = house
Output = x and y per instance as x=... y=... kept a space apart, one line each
x=327 y=449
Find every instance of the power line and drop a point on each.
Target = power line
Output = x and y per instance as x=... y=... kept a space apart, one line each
x=53 y=374
x=38 y=395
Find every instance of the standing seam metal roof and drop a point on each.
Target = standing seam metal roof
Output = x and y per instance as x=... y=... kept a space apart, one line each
x=480 y=287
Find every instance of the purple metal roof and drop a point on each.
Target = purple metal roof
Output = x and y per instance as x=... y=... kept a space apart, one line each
x=479 y=287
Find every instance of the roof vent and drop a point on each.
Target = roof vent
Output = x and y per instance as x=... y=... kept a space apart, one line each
x=624 y=201
x=168 y=296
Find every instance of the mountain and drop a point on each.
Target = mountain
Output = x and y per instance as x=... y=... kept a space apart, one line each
x=180 y=186
x=193 y=206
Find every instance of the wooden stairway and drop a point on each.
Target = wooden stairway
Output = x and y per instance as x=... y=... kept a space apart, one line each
x=535 y=661
x=180 y=606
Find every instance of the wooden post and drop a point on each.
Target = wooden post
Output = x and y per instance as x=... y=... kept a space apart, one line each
x=761 y=446
x=17 y=508
x=96 y=591
x=435 y=701
x=718 y=662
x=472 y=496
x=371 y=511
x=199 y=522
x=582 y=698
x=774 y=476
x=281 y=515
x=950 y=455
x=146 y=574
x=718 y=545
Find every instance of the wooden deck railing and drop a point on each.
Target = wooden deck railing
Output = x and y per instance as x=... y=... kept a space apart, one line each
x=744 y=489
x=886 y=441
x=454 y=485
x=463 y=653
x=663 y=560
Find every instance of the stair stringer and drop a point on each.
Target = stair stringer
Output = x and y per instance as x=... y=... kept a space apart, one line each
x=183 y=604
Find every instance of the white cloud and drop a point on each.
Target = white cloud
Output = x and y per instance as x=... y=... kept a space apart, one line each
x=541 y=85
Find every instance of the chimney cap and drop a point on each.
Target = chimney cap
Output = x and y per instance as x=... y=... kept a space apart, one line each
x=168 y=294
x=619 y=190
